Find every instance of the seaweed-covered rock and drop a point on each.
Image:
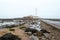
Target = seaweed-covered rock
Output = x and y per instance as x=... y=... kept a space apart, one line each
x=31 y=30
x=9 y=36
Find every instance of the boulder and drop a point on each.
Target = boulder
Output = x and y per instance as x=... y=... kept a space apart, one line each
x=9 y=36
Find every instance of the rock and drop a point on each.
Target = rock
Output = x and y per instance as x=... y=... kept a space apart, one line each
x=32 y=37
x=31 y=30
x=29 y=33
x=44 y=31
x=39 y=34
x=46 y=35
x=9 y=36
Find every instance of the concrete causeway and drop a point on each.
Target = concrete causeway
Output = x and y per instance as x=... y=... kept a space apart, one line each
x=53 y=27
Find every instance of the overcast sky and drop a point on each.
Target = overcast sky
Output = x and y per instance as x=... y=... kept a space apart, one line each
x=20 y=8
